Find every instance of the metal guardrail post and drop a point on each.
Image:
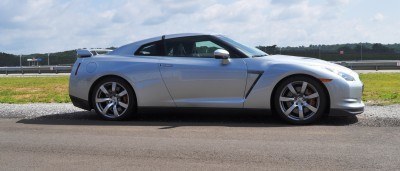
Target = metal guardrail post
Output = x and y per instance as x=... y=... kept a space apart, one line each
x=22 y=70
x=6 y=70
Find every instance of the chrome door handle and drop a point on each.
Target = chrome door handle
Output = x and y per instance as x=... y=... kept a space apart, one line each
x=166 y=65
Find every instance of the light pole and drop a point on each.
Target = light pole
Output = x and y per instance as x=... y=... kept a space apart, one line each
x=48 y=59
x=20 y=60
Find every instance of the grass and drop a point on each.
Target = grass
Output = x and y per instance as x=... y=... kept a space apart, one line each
x=380 y=89
x=34 y=89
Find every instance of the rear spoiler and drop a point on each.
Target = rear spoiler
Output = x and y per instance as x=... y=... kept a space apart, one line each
x=86 y=53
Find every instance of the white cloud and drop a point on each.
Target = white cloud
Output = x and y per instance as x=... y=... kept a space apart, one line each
x=55 y=25
x=338 y=2
x=378 y=17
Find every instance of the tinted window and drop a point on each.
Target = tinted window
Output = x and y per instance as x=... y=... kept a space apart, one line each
x=151 y=49
x=195 y=46
x=205 y=49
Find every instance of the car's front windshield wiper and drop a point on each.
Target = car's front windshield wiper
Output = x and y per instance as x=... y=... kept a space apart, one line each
x=259 y=55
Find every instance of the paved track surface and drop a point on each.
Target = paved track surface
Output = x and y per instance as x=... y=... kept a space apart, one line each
x=182 y=141
x=54 y=145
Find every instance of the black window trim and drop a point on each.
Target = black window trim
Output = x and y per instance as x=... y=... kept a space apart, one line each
x=236 y=51
x=211 y=37
x=161 y=43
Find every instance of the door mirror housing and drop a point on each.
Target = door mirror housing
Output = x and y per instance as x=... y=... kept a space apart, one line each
x=221 y=54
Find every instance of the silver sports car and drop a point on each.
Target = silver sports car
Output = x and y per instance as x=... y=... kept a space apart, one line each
x=211 y=71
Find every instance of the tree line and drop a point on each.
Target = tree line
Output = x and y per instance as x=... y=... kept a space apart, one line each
x=337 y=52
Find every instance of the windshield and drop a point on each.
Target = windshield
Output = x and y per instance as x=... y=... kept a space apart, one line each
x=249 y=51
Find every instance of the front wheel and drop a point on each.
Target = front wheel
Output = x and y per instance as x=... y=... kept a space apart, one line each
x=300 y=100
x=113 y=99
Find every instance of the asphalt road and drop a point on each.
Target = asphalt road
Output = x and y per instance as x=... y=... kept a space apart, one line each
x=169 y=141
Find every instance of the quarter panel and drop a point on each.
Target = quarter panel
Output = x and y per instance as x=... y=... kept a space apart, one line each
x=78 y=83
x=141 y=72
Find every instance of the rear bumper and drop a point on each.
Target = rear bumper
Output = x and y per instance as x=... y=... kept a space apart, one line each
x=83 y=104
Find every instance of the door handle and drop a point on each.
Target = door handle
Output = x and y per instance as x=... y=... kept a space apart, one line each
x=166 y=65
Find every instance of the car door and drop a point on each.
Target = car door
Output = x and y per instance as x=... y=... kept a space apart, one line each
x=194 y=78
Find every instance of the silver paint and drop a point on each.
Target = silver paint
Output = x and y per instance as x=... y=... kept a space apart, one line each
x=205 y=82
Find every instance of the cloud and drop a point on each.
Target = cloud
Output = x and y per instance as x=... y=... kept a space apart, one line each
x=338 y=2
x=55 y=25
x=378 y=17
x=286 y=2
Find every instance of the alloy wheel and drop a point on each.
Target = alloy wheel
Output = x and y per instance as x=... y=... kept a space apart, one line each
x=299 y=100
x=112 y=99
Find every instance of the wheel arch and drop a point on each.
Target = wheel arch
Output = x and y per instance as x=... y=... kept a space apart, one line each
x=304 y=75
x=105 y=77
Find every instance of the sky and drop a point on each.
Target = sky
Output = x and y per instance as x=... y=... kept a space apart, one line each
x=41 y=26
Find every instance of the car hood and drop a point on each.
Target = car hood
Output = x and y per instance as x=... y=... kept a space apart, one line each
x=306 y=61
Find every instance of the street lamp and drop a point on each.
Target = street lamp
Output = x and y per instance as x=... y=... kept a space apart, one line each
x=48 y=59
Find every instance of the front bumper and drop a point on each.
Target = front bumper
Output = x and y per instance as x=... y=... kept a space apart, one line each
x=345 y=97
x=346 y=112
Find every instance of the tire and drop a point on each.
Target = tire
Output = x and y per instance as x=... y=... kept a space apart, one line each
x=299 y=104
x=113 y=99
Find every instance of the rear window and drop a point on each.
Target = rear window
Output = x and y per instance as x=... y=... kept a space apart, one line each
x=151 y=49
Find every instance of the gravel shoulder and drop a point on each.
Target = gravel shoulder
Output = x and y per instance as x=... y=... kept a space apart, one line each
x=378 y=116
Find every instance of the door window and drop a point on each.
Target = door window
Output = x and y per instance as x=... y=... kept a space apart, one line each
x=195 y=46
x=205 y=49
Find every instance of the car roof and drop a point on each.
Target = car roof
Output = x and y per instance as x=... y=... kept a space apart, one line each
x=130 y=49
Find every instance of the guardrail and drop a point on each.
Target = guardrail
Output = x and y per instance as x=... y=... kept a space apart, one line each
x=371 y=65
x=35 y=69
x=355 y=65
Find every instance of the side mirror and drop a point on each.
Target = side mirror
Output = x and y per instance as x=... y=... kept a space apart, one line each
x=221 y=54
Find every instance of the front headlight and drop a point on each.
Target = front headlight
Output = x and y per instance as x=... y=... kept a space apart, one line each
x=345 y=76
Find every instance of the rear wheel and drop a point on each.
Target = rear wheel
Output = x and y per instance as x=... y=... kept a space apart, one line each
x=113 y=99
x=300 y=100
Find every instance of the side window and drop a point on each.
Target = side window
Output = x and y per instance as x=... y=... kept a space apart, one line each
x=197 y=46
x=205 y=49
x=181 y=47
x=151 y=49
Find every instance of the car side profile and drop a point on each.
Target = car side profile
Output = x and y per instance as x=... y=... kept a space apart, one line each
x=211 y=71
